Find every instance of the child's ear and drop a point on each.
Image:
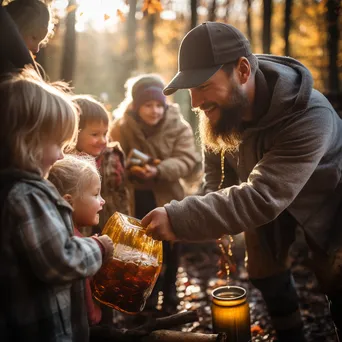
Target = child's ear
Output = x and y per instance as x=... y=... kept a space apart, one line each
x=68 y=198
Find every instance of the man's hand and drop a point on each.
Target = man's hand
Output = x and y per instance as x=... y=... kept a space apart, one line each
x=158 y=225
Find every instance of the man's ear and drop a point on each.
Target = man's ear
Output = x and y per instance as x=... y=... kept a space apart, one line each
x=68 y=198
x=244 y=70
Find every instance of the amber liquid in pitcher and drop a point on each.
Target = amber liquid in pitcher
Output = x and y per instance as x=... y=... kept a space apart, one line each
x=127 y=283
x=127 y=280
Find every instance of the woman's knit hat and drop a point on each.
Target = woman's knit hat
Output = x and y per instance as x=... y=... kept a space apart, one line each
x=147 y=88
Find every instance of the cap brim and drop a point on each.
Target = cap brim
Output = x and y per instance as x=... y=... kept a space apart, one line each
x=190 y=79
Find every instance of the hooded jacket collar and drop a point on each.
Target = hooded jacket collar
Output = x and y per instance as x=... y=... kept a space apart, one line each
x=13 y=175
x=283 y=89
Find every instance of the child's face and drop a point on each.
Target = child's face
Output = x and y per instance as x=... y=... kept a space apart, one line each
x=151 y=112
x=51 y=153
x=34 y=38
x=88 y=205
x=92 y=139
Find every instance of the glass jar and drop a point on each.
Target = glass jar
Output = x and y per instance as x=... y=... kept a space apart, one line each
x=126 y=281
x=230 y=313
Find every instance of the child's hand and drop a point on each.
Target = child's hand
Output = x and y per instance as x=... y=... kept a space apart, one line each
x=107 y=245
x=146 y=173
x=151 y=172
x=137 y=171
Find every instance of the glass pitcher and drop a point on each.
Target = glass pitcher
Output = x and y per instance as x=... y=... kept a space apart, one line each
x=126 y=281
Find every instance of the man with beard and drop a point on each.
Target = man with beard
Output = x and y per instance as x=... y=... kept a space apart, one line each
x=273 y=145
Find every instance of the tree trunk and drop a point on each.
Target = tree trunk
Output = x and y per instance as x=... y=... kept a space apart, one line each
x=131 y=56
x=69 y=54
x=287 y=26
x=333 y=10
x=249 y=22
x=227 y=11
x=266 y=34
x=212 y=11
x=150 y=40
x=194 y=17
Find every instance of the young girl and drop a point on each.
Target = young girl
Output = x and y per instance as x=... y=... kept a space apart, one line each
x=78 y=181
x=41 y=261
x=110 y=159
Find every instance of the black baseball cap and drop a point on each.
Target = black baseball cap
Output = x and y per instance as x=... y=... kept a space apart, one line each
x=203 y=51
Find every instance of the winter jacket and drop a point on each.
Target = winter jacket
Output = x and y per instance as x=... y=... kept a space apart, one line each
x=111 y=165
x=42 y=263
x=13 y=52
x=172 y=142
x=290 y=159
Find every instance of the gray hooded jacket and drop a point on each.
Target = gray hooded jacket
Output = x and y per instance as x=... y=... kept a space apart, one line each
x=290 y=159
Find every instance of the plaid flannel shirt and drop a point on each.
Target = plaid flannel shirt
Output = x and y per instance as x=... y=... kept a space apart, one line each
x=42 y=264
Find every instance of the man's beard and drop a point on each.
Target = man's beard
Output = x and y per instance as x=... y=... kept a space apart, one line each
x=226 y=134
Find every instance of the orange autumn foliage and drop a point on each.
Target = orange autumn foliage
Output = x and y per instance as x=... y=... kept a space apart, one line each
x=152 y=6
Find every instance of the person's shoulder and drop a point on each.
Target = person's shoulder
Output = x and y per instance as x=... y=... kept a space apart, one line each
x=175 y=118
x=318 y=99
x=42 y=189
x=174 y=109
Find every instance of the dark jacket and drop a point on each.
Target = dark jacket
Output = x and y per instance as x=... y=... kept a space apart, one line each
x=42 y=263
x=13 y=51
x=290 y=159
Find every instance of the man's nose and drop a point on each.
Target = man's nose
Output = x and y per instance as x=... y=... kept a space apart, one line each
x=196 y=99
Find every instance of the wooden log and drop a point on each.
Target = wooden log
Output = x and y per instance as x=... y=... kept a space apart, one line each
x=170 y=321
x=104 y=333
x=179 y=336
x=115 y=335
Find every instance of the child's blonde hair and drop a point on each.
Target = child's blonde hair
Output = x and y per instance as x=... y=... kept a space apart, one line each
x=33 y=113
x=72 y=174
x=91 y=110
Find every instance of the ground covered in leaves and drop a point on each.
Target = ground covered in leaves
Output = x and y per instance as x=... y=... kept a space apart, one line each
x=197 y=278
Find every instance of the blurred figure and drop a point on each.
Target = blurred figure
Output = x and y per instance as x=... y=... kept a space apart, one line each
x=149 y=125
x=13 y=51
x=32 y=18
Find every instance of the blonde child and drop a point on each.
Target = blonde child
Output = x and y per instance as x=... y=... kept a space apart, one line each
x=42 y=263
x=110 y=159
x=78 y=182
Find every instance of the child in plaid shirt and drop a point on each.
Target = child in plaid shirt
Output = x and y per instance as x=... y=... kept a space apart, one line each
x=41 y=261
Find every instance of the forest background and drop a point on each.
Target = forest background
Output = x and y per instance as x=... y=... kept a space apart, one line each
x=97 y=44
